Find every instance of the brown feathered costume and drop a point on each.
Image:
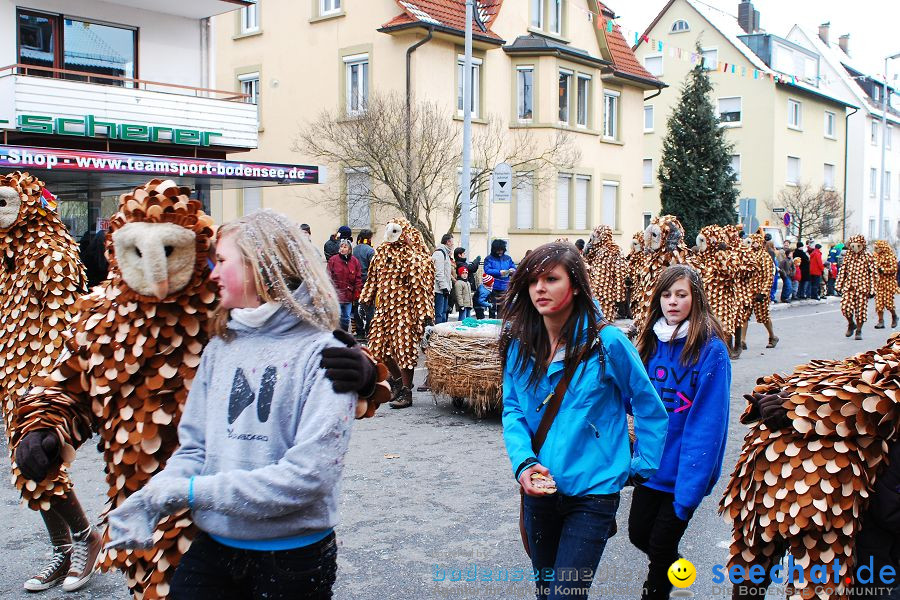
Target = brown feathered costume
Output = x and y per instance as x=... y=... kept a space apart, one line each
x=718 y=267
x=130 y=364
x=762 y=268
x=885 y=282
x=856 y=282
x=664 y=241
x=803 y=487
x=606 y=268
x=634 y=268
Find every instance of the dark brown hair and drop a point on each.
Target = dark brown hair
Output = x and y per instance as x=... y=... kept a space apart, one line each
x=703 y=323
x=523 y=323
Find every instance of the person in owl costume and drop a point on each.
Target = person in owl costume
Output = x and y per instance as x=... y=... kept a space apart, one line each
x=126 y=373
x=744 y=282
x=400 y=283
x=606 y=268
x=856 y=282
x=885 y=282
x=818 y=440
x=664 y=241
x=760 y=283
x=41 y=279
x=634 y=268
x=719 y=264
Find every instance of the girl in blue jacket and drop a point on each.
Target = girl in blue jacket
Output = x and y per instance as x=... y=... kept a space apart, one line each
x=552 y=327
x=686 y=358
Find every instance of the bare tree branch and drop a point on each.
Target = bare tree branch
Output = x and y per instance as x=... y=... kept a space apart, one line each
x=814 y=213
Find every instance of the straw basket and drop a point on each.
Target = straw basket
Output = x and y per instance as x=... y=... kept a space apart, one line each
x=464 y=362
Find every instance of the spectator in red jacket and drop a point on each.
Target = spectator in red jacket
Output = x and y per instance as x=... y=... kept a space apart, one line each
x=346 y=274
x=816 y=268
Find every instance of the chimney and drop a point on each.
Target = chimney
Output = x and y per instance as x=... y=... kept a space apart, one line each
x=748 y=17
x=844 y=43
x=823 y=32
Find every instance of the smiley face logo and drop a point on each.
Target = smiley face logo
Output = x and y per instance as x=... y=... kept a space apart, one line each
x=682 y=573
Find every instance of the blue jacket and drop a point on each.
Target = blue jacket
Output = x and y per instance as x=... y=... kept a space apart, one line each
x=481 y=297
x=697 y=400
x=493 y=265
x=587 y=448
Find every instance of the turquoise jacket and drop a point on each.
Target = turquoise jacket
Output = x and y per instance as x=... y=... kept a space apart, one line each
x=587 y=448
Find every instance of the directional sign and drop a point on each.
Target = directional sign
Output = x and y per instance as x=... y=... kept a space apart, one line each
x=502 y=183
x=778 y=209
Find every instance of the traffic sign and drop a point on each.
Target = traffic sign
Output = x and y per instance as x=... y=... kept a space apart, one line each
x=778 y=209
x=787 y=219
x=502 y=183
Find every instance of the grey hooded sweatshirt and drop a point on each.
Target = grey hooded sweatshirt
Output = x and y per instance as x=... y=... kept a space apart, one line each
x=264 y=433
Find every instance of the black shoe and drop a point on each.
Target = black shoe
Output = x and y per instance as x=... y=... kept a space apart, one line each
x=404 y=398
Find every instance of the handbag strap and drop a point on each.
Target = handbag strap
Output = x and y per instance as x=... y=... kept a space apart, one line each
x=553 y=404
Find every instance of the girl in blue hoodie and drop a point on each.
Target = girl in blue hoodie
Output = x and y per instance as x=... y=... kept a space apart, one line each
x=263 y=433
x=552 y=328
x=686 y=358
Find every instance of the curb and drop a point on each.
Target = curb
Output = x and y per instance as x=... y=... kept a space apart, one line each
x=779 y=306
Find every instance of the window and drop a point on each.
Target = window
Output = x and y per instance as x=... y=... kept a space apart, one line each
x=525 y=91
x=795 y=114
x=475 y=82
x=873 y=182
x=58 y=42
x=359 y=189
x=537 y=13
x=648 y=172
x=250 y=18
x=611 y=115
x=736 y=167
x=251 y=200
x=887 y=185
x=583 y=100
x=829 y=124
x=888 y=137
x=250 y=87
x=582 y=193
x=563 y=183
x=648 y=119
x=555 y=16
x=327 y=7
x=357 y=83
x=524 y=200
x=710 y=58
x=647 y=217
x=876 y=93
x=793 y=170
x=565 y=81
x=885 y=226
x=654 y=64
x=874 y=134
x=680 y=25
x=547 y=15
x=828 y=179
x=610 y=212
x=730 y=111
x=872 y=228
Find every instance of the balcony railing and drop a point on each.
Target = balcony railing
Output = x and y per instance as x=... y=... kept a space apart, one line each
x=122 y=82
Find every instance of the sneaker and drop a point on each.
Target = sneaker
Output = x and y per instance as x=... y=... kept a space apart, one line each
x=53 y=572
x=86 y=548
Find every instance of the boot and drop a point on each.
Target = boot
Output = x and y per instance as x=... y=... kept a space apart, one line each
x=404 y=398
x=858 y=333
x=893 y=320
x=735 y=350
x=773 y=341
x=54 y=572
x=850 y=328
x=880 y=324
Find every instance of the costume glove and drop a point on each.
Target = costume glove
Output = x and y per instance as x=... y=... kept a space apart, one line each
x=37 y=453
x=349 y=369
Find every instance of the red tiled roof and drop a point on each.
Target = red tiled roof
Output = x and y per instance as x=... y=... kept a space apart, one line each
x=447 y=13
x=621 y=54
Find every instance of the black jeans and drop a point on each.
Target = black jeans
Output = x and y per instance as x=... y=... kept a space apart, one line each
x=567 y=535
x=656 y=531
x=211 y=571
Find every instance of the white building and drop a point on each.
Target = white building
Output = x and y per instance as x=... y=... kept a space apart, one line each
x=840 y=77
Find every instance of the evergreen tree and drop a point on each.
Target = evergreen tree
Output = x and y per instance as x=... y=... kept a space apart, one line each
x=697 y=184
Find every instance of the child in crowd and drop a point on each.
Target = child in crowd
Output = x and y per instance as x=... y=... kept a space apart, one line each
x=481 y=301
x=263 y=434
x=462 y=292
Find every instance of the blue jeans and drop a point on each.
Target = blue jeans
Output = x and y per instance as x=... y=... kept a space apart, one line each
x=346 y=310
x=464 y=313
x=774 y=287
x=211 y=571
x=440 y=308
x=565 y=533
x=786 y=288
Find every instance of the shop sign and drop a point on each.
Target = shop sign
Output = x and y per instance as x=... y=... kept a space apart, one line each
x=90 y=126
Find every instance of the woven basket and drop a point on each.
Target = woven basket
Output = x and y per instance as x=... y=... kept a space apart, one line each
x=464 y=362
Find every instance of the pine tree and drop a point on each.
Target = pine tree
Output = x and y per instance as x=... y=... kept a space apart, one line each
x=697 y=184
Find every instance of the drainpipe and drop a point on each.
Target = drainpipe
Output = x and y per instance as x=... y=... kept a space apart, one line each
x=846 y=149
x=409 y=52
x=658 y=92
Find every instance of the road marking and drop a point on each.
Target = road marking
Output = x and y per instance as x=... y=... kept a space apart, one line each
x=815 y=314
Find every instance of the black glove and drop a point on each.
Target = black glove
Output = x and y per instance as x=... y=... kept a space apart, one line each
x=871 y=295
x=772 y=411
x=349 y=369
x=429 y=321
x=37 y=453
x=759 y=298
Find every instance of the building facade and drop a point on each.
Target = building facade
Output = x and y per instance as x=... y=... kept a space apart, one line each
x=99 y=97
x=786 y=129
x=544 y=66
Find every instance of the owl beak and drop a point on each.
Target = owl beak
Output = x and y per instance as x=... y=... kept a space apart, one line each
x=161 y=289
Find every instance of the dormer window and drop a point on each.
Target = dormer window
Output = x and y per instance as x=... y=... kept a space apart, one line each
x=680 y=25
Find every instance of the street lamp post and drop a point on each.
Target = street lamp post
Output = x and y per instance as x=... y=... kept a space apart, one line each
x=884 y=104
x=466 y=184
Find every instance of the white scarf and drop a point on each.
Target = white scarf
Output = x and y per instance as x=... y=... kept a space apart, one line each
x=255 y=317
x=664 y=331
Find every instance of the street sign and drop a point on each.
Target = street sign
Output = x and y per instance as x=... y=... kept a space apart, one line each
x=787 y=219
x=778 y=210
x=502 y=183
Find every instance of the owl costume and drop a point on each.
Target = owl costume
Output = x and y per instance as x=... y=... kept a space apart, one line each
x=606 y=268
x=664 y=240
x=885 y=282
x=856 y=282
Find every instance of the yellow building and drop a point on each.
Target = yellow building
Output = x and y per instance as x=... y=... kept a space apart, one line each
x=545 y=65
x=785 y=130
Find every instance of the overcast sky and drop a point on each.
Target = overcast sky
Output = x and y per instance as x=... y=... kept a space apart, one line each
x=873 y=25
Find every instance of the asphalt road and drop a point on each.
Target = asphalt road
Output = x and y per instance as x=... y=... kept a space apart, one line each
x=447 y=504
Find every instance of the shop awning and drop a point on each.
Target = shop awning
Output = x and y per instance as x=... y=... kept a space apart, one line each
x=66 y=170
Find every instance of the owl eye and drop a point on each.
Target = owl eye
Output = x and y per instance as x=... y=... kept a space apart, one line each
x=168 y=250
x=2 y=203
x=138 y=251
